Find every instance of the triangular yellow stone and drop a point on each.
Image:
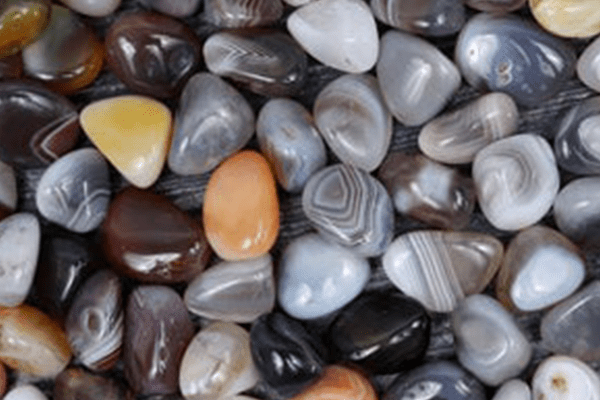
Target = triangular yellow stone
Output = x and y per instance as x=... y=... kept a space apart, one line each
x=134 y=134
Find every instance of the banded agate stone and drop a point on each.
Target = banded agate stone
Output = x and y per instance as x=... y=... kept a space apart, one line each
x=565 y=378
x=579 y=19
x=21 y=22
x=93 y=8
x=496 y=6
x=514 y=389
x=78 y=384
x=588 y=65
x=339 y=382
x=242 y=13
x=174 y=8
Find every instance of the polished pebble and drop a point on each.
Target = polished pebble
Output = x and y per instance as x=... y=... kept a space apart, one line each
x=457 y=136
x=497 y=6
x=580 y=19
x=489 y=343
x=588 y=65
x=21 y=22
x=174 y=8
x=132 y=132
x=565 y=378
x=25 y=392
x=516 y=180
x=74 y=192
x=93 y=8
x=289 y=139
x=514 y=389
x=352 y=117
x=341 y=34
x=317 y=277
x=428 y=191
x=440 y=268
x=8 y=189
x=242 y=13
x=339 y=382
x=78 y=384
x=11 y=67
x=415 y=77
x=213 y=121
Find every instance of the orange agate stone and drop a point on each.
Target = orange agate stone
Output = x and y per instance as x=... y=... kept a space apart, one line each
x=241 y=209
x=339 y=383
x=21 y=22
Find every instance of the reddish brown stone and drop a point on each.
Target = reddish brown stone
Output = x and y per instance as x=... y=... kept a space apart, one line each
x=11 y=67
x=77 y=384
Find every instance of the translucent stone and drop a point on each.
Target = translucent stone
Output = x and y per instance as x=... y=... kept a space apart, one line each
x=580 y=19
x=514 y=389
x=588 y=65
x=352 y=117
x=213 y=121
x=339 y=33
x=488 y=341
x=25 y=392
x=217 y=364
x=428 y=191
x=506 y=53
x=317 y=277
x=516 y=180
x=238 y=291
x=8 y=188
x=457 y=136
x=577 y=143
x=267 y=62
x=132 y=132
x=416 y=79
x=497 y=6
x=78 y=384
x=339 y=382
x=289 y=139
x=174 y=8
x=93 y=8
x=541 y=267
x=242 y=13
x=349 y=206
x=573 y=326
x=11 y=67
x=439 y=268
x=21 y=22
x=424 y=17
x=565 y=378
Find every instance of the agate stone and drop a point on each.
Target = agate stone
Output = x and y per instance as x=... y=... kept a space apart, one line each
x=8 y=190
x=93 y=8
x=339 y=382
x=588 y=66
x=25 y=392
x=242 y=13
x=174 y=8
x=573 y=19
x=21 y=22
x=11 y=67
x=565 y=378
x=78 y=384
x=496 y=6
x=514 y=389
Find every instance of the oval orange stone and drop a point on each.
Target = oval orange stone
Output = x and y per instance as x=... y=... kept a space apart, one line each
x=241 y=209
x=338 y=383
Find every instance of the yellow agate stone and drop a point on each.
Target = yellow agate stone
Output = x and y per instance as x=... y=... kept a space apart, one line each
x=568 y=18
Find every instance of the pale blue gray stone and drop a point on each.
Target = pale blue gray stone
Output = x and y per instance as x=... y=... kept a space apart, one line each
x=588 y=66
x=174 y=8
x=514 y=389
x=25 y=392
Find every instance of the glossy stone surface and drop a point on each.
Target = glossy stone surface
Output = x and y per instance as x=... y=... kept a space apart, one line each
x=428 y=191
x=439 y=268
x=579 y=19
x=457 y=136
x=174 y=8
x=241 y=13
x=514 y=389
x=21 y=22
x=238 y=291
x=146 y=237
x=572 y=327
x=317 y=277
x=565 y=378
x=8 y=189
x=25 y=392
x=341 y=34
x=287 y=356
x=588 y=65
x=352 y=117
x=94 y=325
x=488 y=341
x=577 y=211
x=289 y=139
x=213 y=121
x=78 y=384
x=541 y=267
x=247 y=224
x=339 y=382
x=132 y=132
x=48 y=124
x=157 y=333
x=495 y=52
x=267 y=62
x=350 y=207
x=424 y=17
x=497 y=6
x=93 y=8
x=416 y=79
x=74 y=191
x=516 y=180
x=217 y=364
x=11 y=67
x=436 y=380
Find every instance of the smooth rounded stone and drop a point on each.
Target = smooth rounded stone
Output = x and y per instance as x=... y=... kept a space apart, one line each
x=11 y=67
x=580 y=19
x=146 y=237
x=428 y=191
x=289 y=139
x=577 y=142
x=588 y=65
x=382 y=332
x=516 y=179
x=32 y=343
x=457 y=136
x=288 y=357
x=505 y=53
x=8 y=189
x=416 y=79
x=157 y=333
x=213 y=121
x=424 y=17
x=489 y=343
x=94 y=324
x=174 y=8
x=439 y=268
x=496 y=6
x=341 y=34
x=573 y=326
x=317 y=277
x=93 y=8
x=74 y=192
x=514 y=389
x=565 y=378
x=238 y=291
x=48 y=124
x=25 y=392
x=3 y=380
x=297 y=3
x=352 y=117
x=242 y=13
x=247 y=224
x=21 y=22
x=349 y=206
x=577 y=211
x=132 y=132
x=339 y=382
x=217 y=363
x=541 y=267
x=78 y=384
x=436 y=380
x=67 y=56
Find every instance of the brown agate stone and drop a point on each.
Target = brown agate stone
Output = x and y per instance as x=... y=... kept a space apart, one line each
x=3 y=380
x=152 y=54
x=77 y=384
x=339 y=382
x=21 y=22
x=11 y=67
x=146 y=237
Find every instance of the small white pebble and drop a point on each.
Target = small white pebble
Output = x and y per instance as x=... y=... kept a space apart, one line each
x=25 y=392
